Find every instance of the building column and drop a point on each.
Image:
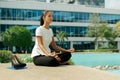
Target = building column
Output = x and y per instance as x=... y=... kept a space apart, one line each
x=14 y=49
x=48 y=1
x=76 y=1
x=71 y=44
x=118 y=45
x=96 y=45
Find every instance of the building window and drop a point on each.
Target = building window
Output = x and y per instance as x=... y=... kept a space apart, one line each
x=58 y=16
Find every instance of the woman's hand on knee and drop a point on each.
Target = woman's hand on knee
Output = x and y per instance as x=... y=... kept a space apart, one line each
x=58 y=58
x=53 y=54
x=71 y=50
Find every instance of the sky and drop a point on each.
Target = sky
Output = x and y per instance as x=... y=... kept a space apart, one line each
x=112 y=4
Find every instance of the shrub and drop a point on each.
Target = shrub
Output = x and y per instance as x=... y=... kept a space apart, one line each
x=5 y=56
x=103 y=47
x=115 y=50
x=26 y=59
x=71 y=62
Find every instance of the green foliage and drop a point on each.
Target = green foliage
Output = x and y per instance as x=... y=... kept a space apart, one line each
x=104 y=30
x=5 y=56
x=71 y=62
x=26 y=59
x=61 y=35
x=112 y=45
x=97 y=28
x=17 y=36
x=103 y=47
x=100 y=29
x=6 y=38
x=93 y=27
x=114 y=33
x=117 y=29
x=94 y=18
x=107 y=32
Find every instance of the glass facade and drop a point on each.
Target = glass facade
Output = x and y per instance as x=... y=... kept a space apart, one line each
x=66 y=45
x=32 y=28
x=72 y=31
x=58 y=16
x=80 y=45
x=20 y=14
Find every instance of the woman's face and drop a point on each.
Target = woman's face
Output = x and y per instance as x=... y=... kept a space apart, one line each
x=48 y=18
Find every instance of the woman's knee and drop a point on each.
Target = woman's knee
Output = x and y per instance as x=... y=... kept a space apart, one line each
x=53 y=62
x=36 y=62
x=65 y=56
x=68 y=54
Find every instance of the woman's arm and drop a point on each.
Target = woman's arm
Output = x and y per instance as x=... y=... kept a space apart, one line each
x=40 y=42
x=53 y=44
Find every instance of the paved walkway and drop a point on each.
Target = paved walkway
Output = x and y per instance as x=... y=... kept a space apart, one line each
x=69 y=72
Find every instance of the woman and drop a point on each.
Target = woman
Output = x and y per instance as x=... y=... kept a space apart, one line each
x=41 y=53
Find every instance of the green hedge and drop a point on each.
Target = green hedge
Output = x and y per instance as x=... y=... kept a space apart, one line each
x=71 y=62
x=25 y=59
x=5 y=56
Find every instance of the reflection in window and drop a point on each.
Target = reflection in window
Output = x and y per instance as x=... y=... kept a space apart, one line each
x=78 y=45
x=32 y=28
x=58 y=16
x=110 y=18
x=71 y=30
x=65 y=44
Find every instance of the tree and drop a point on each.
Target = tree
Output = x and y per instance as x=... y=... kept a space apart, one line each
x=61 y=35
x=17 y=36
x=6 y=38
x=100 y=29
x=117 y=31
x=107 y=32
x=104 y=31
x=93 y=27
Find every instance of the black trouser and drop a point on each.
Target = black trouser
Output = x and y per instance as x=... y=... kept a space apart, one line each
x=51 y=61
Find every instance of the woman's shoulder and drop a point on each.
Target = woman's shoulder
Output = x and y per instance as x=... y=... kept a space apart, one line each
x=38 y=28
x=50 y=28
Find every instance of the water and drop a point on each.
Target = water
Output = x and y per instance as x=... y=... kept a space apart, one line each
x=114 y=71
x=112 y=59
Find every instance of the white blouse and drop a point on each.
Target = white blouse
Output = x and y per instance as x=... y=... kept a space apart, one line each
x=47 y=35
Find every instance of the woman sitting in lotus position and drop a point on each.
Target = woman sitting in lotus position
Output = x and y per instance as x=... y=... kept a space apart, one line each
x=41 y=53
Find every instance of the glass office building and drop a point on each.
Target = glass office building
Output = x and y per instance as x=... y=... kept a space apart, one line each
x=73 y=19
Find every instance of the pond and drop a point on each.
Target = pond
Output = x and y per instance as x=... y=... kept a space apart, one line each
x=97 y=59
